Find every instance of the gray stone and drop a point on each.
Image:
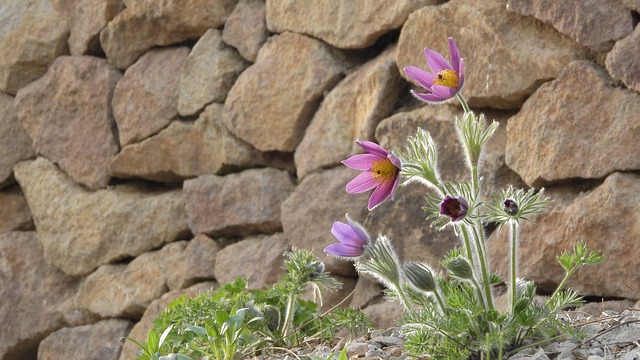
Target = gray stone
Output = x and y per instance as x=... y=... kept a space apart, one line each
x=15 y=143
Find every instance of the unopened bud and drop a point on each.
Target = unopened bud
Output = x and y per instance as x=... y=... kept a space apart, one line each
x=459 y=267
x=419 y=275
x=510 y=207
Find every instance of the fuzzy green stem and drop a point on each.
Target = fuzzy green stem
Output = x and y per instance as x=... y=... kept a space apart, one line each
x=559 y=288
x=288 y=320
x=467 y=245
x=436 y=292
x=514 y=260
x=463 y=102
x=403 y=298
x=479 y=238
x=479 y=291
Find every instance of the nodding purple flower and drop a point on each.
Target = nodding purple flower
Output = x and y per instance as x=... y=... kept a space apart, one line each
x=352 y=236
x=445 y=79
x=510 y=207
x=454 y=207
x=381 y=171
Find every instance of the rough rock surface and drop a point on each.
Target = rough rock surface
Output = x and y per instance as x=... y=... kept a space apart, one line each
x=32 y=35
x=209 y=72
x=237 y=204
x=263 y=252
x=632 y=4
x=146 y=99
x=14 y=210
x=81 y=230
x=500 y=42
x=297 y=70
x=35 y=296
x=318 y=201
x=344 y=24
x=142 y=327
x=596 y=24
x=622 y=62
x=351 y=111
x=578 y=126
x=87 y=19
x=153 y=273
x=67 y=114
x=99 y=341
x=148 y=23
x=15 y=143
x=592 y=217
x=185 y=150
x=246 y=28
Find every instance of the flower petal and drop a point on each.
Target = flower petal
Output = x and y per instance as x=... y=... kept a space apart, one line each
x=360 y=232
x=436 y=61
x=380 y=194
x=461 y=75
x=424 y=78
x=454 y=53
x=395 y=160
x=430 y=98
x=342 y=232
x=344 y=250
x=361 y=183
x=444 y=92
x=373 y=148
x=362 y=162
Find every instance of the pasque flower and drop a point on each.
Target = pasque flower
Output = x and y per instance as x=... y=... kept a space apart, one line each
x=445 y=79
x=381 y=171
x=454 y=207
x=352 y=236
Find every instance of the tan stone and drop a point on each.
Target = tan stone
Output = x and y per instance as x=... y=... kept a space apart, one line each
x=603 y=218
x=237 y=204
x=67 y=113
x=246 y=28
x=309 y=213
x=632 y=4
x=132 y=287
x=367 y=291
x=81 y=230
x=385 y=314
x=184 y=150
x=141 y=329
x=87 y=18
x=34 y=295
x=99 y=341
x=33 y=34
x=580 y=125
x=351 y=111
x=272 y=102
x=578 y=19
x=14 y=210
x=209 y=72
x=15 y=143
x=148 y=23
x=507 y=56
x=261 y=255
x=622 y=61
x=403 y=220
x=146 y=99
x=352 y=24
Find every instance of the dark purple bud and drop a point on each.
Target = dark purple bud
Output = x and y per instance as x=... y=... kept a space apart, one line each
x=454 y=207
x=510 y=207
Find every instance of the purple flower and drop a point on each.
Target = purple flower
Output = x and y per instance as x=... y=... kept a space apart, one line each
x=510 y=207
x=454 y=207
x=352 y=237
x=445 y=79
x=381 y=171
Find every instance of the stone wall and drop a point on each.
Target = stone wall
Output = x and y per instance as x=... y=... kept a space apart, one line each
x=150 y=149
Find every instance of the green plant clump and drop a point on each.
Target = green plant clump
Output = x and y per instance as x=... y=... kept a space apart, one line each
x=233 y=321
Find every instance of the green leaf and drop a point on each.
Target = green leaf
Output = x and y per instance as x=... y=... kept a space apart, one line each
x=199 y=331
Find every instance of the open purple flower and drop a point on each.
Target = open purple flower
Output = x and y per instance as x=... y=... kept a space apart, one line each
x=352 y=237
x=381 y=171
x=445 y=79
x=454 y=207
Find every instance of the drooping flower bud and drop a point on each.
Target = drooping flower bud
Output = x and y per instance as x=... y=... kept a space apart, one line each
x=510 y=207
x=459 y=267
x=454 y=207
x=420 y=276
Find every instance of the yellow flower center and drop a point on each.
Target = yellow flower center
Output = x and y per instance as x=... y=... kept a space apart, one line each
x=447 y=77
x=383 y=171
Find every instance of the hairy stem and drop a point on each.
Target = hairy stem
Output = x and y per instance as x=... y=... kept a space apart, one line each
x=479 y=238
x=514 y=261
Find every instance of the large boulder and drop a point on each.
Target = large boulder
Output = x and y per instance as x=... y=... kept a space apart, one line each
x=86 y=19
x=15 y=143
x=622 y=62
x=14 y=210
x=246 y=28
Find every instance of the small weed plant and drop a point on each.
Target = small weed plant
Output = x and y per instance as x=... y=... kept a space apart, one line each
x=454 y=316
x=234 y=322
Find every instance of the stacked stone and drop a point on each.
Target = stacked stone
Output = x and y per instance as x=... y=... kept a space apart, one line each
x=150 y=149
